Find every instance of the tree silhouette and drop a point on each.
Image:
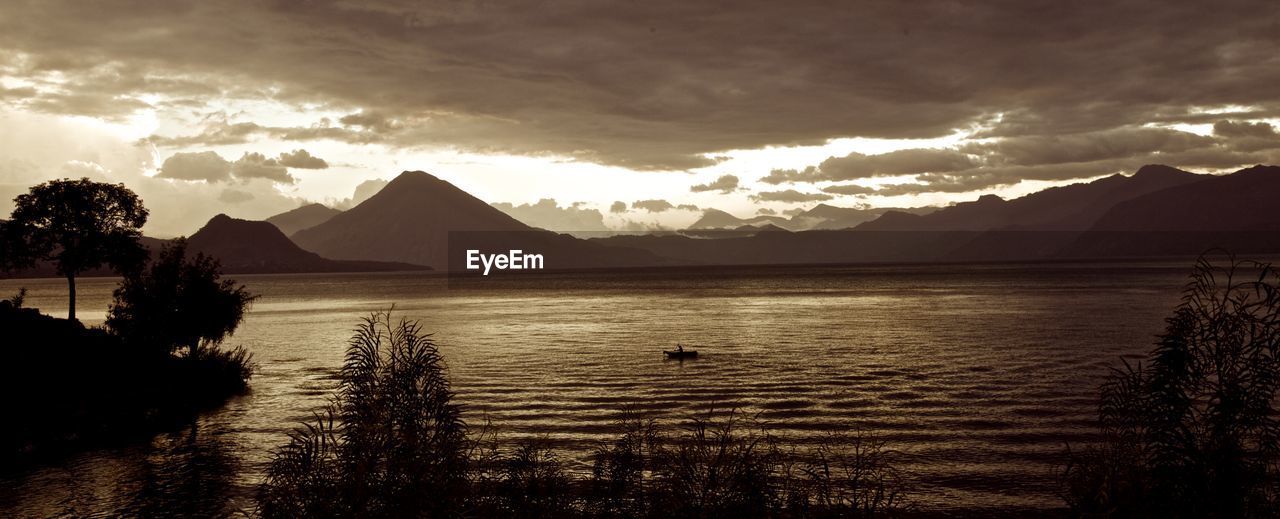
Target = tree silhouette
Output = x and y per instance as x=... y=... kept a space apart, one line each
x=78 y=225
x=177 y=303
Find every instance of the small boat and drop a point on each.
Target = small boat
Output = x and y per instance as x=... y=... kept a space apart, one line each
x=681 y=354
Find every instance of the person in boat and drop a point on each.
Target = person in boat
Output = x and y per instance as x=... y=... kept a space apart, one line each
x=679 y=348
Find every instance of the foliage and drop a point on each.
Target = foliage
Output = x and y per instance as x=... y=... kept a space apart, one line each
x=392 y=444
x=178 y=302
x=17 y=300
x=66 y=386
x=849 y=475
x=77 y=224
x=1195 y=431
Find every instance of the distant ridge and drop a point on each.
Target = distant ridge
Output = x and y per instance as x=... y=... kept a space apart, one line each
x=1158 y=211
x=309 y=215
x=1073 y=207
x=819 y=217
x=248 y=247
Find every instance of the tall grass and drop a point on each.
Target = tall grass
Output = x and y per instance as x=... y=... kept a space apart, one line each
x=391 y=444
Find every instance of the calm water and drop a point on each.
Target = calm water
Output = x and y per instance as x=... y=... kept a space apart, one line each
x=978 y=374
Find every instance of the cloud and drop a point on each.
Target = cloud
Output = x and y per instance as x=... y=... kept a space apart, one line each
x=235 y=196
x=301 y=159
x=688 y=207
x=204 y=165
x=257 y=165
x=857 y=166
x=618 y=207
x=655 y=85
x=1035 y=150
x=652 y=206
x=789 y=196
x=37 y=147
x=211 y=167
x=1244 y=129
x=547 y=214
x=766 y=211
x=849 y=189
x=725 y=184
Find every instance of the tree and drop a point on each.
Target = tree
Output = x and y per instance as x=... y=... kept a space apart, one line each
x=177 y=303
x=78 y=225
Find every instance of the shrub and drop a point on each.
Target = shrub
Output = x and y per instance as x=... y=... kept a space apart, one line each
x=392 y=444
x=1195 y=431
x=178 y=302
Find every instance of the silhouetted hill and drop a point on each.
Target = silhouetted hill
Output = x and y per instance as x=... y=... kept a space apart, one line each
x=412 y=220
x=820 y=217
x=246 y=246
x=309 y=215
x=1247 y=200
x=828 y=217
x=1158 y=211
x=1067 y=208
x=1236 y=212
x=717 y=219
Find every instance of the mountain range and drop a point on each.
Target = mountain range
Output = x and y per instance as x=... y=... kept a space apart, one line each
x=418 y=221
x=1157 y=211
x=820 y=217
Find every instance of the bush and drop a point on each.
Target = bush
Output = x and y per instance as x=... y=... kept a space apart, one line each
x=1195 y=431
x=392 y=444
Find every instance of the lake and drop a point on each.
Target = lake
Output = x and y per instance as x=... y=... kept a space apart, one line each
x=979 y=375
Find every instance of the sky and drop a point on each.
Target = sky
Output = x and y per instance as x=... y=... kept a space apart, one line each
x=626 y=114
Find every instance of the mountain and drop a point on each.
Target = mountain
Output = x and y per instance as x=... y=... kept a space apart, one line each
x=1236 y=212
x=820 y=217
x=1158 y=211
x=418 y=218
x=1247 y=200
x=1066 y=208
x=246 y=246
x=717 y=219
x=828 y=217
x=309 y=215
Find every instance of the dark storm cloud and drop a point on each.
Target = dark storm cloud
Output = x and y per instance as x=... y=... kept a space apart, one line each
x=789 y=196
x=658 y=84
x=724 y=184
